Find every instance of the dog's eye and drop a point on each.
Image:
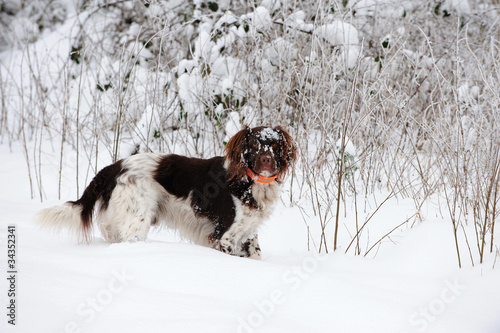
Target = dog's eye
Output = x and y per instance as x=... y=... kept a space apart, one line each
x=255 y=145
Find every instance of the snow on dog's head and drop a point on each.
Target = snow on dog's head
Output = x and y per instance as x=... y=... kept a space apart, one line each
x=268 y=133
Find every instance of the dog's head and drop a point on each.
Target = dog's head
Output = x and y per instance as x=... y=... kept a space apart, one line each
x=261 y=153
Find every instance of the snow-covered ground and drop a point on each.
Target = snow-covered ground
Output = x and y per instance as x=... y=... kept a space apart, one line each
x=166 y=285
x=74 y=68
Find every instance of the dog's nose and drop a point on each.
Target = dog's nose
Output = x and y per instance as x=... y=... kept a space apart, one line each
x=265 y=160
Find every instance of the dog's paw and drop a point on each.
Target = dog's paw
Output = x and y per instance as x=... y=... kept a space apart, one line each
x=226 y=245
x=251 y=249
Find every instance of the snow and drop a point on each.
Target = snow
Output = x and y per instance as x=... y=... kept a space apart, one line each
x=164 y=283
x=281 y=52
x=466 y=94
x=233 y=125
x=190 y=84
x=348 y=146
x=297 y=20
x=203 y=47
x=408 y=282
x=185 y=66
x=271 y=5
x=227 y=66
x=462 y=7
x=269 y=134
x=343 y=35
x=364 y=7
x=24 y=29
x=227 y=19
x=260 y=19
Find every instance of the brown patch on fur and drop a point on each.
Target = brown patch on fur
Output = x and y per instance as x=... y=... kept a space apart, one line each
x=100 y=188
x=235 y=151
x=288 y=153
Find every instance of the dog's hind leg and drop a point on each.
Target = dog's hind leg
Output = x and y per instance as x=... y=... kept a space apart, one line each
x=130 y=213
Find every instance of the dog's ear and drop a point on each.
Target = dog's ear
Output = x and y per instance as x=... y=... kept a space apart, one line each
x=235 y=151
x=288 y=151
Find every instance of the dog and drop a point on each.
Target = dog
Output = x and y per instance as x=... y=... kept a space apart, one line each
x=218 y=202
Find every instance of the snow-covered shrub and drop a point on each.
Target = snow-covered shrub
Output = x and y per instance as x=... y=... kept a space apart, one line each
x=24 y=22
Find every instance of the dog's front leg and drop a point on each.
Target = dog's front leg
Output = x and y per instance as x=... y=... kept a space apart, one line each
x=248 y=248
x=227 y=245
x=251 y=249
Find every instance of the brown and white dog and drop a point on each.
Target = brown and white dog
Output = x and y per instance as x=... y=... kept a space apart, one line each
x=218 y=202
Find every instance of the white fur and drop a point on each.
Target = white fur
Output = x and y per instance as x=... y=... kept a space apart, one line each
x=133 y=202
x=66 y=216
x=178 y=214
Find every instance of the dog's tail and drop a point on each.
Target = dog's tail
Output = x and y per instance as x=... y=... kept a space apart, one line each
x=76 y=216
x=66 y=216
